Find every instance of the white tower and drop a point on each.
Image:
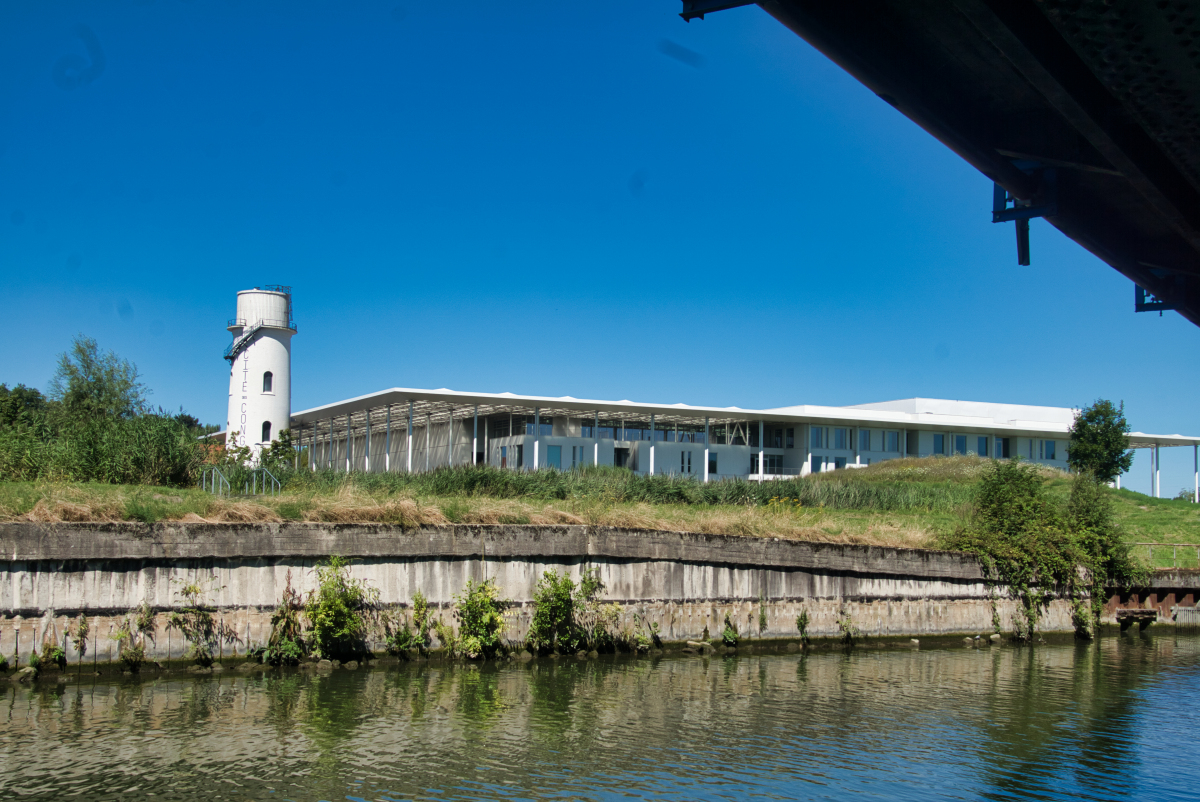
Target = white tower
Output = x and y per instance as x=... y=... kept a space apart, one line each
x=260 y=367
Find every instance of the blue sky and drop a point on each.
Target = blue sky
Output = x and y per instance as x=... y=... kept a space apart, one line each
x=547 y=198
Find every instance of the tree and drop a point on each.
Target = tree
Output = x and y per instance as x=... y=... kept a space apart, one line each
x=1100 y=442
x=92 y=384
x=19 y=405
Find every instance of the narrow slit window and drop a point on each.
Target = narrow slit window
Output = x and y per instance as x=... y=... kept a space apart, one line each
x=266 y=432
x=268 y=382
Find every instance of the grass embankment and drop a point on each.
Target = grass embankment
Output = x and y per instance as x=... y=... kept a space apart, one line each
x=896 y=503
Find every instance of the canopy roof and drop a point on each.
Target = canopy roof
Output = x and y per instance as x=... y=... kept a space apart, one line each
x=439 y=406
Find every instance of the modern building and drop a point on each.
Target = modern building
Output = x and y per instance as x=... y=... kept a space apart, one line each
x=418 y=430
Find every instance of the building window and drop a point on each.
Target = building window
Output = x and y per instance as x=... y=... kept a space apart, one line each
x=893 y=441
x=960 y=444
x=864 y=439
x=983 y=447
x=577 y=456
x=815 y=436
x=268 y=382
x=266 y=432
x=939 y=444
x=554 y=457
x=790 y=442
x=840 y=440
x=815 y=464
x=776 y=438
x=503 y=456
x=773 y=464
x=839 y=463
x=685 y=462
x=1002 y=447
x=712 y=464
x=520 y=456
x=1050 y=449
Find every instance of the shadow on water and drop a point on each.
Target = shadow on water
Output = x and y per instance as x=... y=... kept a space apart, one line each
x=1048 y=722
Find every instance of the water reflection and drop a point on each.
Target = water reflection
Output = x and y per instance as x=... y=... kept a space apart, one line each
x=1054 y=722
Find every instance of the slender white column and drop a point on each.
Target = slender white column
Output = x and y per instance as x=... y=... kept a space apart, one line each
x=596 y=437
x=537 y=434
x=1157 y=472
x=652 y=443
x=1118 y=481
x=367 y=444
x=450 y=438
x=428 y=418
x=1196 y=468
x=762 y=454
x=475 y=438
x=387 y=442
x=347 y=442
x=408 y=445
x=706 y=449
x=487 y=443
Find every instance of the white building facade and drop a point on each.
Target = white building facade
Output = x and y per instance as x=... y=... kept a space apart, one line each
x=260 y=367
x=416 y=430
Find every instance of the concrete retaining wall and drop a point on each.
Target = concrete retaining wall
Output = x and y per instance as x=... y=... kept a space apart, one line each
x=686 y=583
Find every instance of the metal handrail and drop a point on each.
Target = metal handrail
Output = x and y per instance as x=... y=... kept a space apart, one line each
x=270 y=485
x=1174 y=551
x=274 y=324
x=213 y=481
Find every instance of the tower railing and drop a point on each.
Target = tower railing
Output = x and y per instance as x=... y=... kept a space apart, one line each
x=265 y=322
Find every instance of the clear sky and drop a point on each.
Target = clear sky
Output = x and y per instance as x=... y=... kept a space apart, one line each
x=547 y=198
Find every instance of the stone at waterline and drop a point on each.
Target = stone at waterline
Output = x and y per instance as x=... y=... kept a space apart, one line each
x=351 y=665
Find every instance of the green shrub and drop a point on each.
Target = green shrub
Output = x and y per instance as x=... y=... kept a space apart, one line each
x=729 y=635
x=401 y=638
x=286 y=644
x=569 y=617
x=802 y=625
x=480 y=613
x=196 y=622
x=341 y=611
x=131 y=637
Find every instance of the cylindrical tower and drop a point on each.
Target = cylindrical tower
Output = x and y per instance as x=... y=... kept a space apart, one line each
x=260 y=367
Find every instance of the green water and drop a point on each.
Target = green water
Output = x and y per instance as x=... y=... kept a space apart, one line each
x=1112 y=720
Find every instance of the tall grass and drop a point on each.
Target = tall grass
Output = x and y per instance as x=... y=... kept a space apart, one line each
x=146 y=449
x=617 y=485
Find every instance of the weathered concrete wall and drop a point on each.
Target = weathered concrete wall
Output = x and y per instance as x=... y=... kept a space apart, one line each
x=686 y=583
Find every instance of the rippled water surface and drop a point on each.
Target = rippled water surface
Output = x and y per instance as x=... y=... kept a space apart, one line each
x=1113 y=720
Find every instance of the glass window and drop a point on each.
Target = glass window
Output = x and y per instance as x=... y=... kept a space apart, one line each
x=1050 y=449
x=554 y=457
x=268 y=382
x=266 y=432
x=790 y=441
x=840 y=440
x=753 y=427
x=685 y=462
x=815 y=436
x=983 y=447
x=815 y=463
x=939 y=444
x=893 y=441
x=503 y=456
x=960 y=444
x=775 y=464
x=499 y=427
x=520 y=455
x=712 y=464
x=776 y=440
x=839 y=463
x=864 y=439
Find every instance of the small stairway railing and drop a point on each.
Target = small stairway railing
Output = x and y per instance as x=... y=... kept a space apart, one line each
x=214 y=481
x=262 y=482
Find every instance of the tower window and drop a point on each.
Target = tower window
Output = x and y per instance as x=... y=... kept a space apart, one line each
x=266 y=438
x=268 y=382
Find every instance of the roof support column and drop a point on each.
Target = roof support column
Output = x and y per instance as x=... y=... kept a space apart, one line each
x=450 y=438
x=596 y=437
x=537 y=434
x=487 y=443
x=1157 y=472
x=475 y=439
x=652 y=443
x=706 y=449
x=347 y=442
x=299 y=446
x=408 y=445
x=762 y=467
x=367 y=450
x=1196 y=468
x=387 y=442
x=428 y=418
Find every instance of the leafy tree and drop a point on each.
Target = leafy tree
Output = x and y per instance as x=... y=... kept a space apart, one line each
x=92 y=384
x=280 y=453
x=1100 y=442
x=21 y=404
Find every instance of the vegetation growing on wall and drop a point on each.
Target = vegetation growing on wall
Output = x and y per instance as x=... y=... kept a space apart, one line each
x=342 y=611
x=131 y=637
x=286 y=644
x=480 y=612
x=569 y=617
x=402 y=637
x=196 y=621
x=1036 y=546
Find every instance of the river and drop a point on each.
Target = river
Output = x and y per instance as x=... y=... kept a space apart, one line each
x=1111 y=720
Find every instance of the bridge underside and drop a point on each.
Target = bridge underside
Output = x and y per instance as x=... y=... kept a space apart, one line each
x=1087 y=112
